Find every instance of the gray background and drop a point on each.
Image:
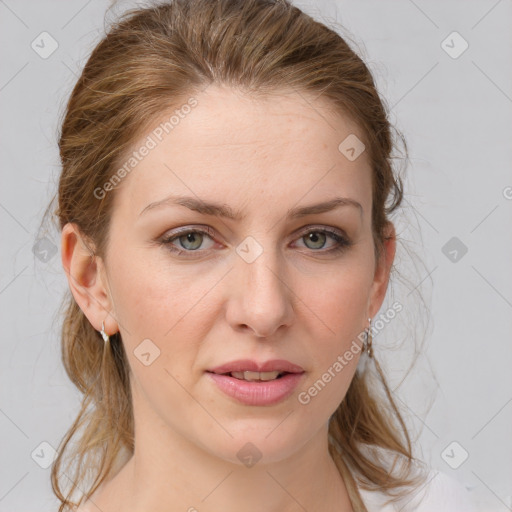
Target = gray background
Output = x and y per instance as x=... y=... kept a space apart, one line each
x=456 y=115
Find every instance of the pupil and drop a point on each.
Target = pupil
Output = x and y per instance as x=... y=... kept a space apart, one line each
x=314 y=237
x=191 y=238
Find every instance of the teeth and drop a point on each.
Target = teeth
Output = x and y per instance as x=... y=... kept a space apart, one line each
x=252 y=376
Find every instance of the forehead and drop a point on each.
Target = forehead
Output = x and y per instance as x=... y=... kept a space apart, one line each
x=246 y=149
x=225 y=116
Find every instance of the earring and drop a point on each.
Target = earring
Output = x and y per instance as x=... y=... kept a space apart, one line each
x=105 y=336
x=368 y=342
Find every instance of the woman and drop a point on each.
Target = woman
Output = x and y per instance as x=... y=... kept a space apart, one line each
x=224 y=200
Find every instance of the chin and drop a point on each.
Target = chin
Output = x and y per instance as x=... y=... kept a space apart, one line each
x=261 y=446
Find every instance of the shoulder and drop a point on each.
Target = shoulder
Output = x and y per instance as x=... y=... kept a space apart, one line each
x=443 y=493
x=436 y=492
x=439 y=493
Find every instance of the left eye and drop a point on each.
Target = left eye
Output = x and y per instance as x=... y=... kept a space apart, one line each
x=318 y=237
x=193 y=237
x=191 y=240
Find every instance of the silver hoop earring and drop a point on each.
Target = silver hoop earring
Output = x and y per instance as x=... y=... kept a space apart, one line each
x=368 y=342
x=105 y=336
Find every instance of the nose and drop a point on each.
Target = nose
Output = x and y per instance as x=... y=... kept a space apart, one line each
x=260 y=299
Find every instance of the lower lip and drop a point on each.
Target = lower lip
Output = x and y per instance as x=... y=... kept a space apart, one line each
x=257 y=393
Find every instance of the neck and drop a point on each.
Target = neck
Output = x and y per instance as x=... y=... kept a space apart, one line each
x=167 y=473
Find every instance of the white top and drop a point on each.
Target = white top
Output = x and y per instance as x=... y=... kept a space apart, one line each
x=441 y=493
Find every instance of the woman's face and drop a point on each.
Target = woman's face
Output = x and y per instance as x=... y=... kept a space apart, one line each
x=255 y=288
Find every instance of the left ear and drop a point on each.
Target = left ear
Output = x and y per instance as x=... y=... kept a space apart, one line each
x=87 y=279
x=382 y=271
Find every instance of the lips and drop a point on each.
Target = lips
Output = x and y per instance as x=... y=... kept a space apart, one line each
x=241 y=365
x=256 y=392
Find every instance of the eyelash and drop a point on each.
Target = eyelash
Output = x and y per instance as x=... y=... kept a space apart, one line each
x=343 y=243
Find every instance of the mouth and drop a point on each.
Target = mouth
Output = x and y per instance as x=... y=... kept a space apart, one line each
x=247 y=369
x=250 y=376
x=257 y=384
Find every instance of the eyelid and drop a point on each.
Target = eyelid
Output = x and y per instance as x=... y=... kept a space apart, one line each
x=210 y=231
x=169 y=237
x=336 y=233
x=190 y=228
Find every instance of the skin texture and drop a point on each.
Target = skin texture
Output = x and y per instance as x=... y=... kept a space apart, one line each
x=209 y=306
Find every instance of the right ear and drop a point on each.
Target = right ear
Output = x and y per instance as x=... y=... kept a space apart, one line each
x=87 y=279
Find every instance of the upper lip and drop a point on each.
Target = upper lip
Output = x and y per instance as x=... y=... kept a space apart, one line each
x=248 y=365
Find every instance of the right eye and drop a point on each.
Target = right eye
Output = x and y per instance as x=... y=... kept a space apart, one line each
x=189 y=239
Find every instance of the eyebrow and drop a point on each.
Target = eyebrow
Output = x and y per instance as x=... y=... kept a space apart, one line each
x=221 y=210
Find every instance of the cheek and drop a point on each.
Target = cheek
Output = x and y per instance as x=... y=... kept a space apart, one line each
x=166 y=305
x=340 y=307
x=336 y=342
x=147 y=296
x=341 y=301
x=141 y=304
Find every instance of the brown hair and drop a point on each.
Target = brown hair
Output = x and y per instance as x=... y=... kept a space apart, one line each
x=150 y=59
